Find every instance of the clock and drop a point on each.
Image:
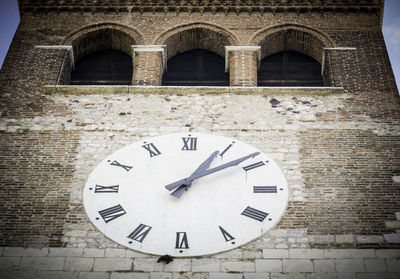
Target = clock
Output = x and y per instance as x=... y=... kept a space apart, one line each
x=185 y=194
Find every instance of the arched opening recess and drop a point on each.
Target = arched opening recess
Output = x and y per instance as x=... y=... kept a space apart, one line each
x=196 y=58
x=103 y=57
x=290 y=57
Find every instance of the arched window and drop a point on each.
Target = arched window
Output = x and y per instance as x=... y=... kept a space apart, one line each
x=289 y=68
x=196 y=67
x=105 y=67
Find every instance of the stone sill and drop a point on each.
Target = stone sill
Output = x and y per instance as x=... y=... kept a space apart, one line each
x=120 y=89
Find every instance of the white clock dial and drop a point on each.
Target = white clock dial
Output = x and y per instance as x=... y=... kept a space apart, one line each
x=236 y=194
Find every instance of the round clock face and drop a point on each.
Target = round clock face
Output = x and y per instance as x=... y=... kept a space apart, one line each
x=185 y=195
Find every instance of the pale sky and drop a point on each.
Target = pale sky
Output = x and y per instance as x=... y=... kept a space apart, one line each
x=9 y=19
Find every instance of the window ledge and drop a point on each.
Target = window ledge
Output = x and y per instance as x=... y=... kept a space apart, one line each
x=120 y=89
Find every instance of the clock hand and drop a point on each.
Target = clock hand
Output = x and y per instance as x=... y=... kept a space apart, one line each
x=202 y=167
x=208 y=172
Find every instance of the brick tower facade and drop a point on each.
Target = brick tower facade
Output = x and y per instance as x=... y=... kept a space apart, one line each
x=337 y=144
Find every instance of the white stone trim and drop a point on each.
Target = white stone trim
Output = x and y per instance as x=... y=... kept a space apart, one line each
x=241 y=48
x=155 y=48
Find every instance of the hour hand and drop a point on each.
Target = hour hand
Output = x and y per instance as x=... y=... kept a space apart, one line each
x=186 y=182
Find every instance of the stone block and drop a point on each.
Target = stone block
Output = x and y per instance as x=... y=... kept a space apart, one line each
x=78 y=264
x=19 y=251
x=160 y=275
x=397 y=215
x=278 y=233
x=14 y=274
x=94 y=275
x=189 y=275
x=217 y=275
x=371 y=275
x=392 y=238
x=344 y=238
x=275 y=253
x=375 y=265
x=206 y=265
x=93 y=252
x=134 y=254
x=57 y=275
x=237 y=266
x=306 y=253
x=251 y=254
x=292 y=275
x=268 y=265
x=322 y=238
x=324 y=266
x=233 y=254
x=370 y=239
x=393 y=265
x=256 y=275
x=321 y=276
x=178 y=265
x=42 y=263
x=147 y=265
x=337 y=253
x=129 y=275
x=9 y=263
x=349 y=265
x=392 y=224
x=363 y=253
x=387 y=253
x=1 y=251
x=65 y=252
x=112 y=264
x=345 y=275
x=115 y=253
x=290 y=265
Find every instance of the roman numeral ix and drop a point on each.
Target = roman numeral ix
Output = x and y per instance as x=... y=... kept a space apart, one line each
x=189 y=143
x=153 y=151
x=254 y=214
x=125 y=167
x=106 y=189
x=112 y=213
x=139 y=233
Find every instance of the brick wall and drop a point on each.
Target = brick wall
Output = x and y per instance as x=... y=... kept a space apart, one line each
x=337 y=148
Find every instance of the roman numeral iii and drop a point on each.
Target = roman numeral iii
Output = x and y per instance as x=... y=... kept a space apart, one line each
x=153 y=151
x=189 y=144
x=254 y=214
x=106 y=189
x=125 y=167
x=181 y=241
x=139 y=233
x=112 y=213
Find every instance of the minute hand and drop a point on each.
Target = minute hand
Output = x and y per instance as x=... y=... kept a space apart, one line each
x=223 y=166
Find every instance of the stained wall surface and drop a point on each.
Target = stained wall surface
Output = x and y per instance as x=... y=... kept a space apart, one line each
x=338 y=146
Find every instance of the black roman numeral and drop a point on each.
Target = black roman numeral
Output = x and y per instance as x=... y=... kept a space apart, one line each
x=265 y=189
x=255 y=214
x=226 y=235
x=112 y=213
x=152 y=149
x=140 y=233
x=253 y=166
x=181 y=241
x=106 y=189
x=226 y=149
x=189 y=143
x=115 y=163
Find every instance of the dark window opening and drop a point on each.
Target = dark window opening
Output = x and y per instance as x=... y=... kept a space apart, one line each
x=197 y=67
x=106 y=67
x=289 y=68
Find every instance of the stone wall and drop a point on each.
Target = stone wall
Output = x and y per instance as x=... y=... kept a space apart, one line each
x=337 y=146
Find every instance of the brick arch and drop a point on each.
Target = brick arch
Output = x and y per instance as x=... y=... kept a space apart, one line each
x=292 y=37
x=103 y=36
x=196 y=35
